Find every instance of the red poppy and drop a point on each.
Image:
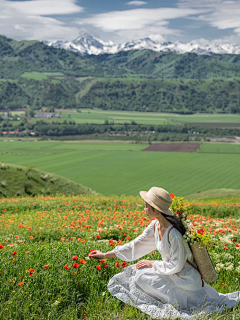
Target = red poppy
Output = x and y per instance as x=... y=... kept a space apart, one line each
x=98 y=267
x=237 y=245
x=1 y=246
x=116 y=264
x=103 y=260
x=223 y=284
x=124 y=264
x=28 y=252
x=66 y=266
x=46 y=266
x=14 y=253
x=75 y=265
x=74 y=257
x=31 y=271
x=226 y=248
x=172 y=195
x=21 y=283
x=83 y=261
x=98 y=236
x=200 y=231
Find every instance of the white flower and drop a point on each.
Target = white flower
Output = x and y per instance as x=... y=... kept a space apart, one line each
x=230 y=267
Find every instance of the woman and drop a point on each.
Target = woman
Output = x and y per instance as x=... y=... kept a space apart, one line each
x=171 y=288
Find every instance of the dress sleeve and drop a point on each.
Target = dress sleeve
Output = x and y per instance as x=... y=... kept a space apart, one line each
x=178 y=256
x=139 y=247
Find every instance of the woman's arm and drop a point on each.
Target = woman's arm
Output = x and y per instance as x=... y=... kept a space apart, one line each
x=100 y=255
x=139 y=247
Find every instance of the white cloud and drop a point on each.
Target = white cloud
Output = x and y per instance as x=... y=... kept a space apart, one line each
x=138 y=23
x=45 y=7
x=136 y=3
x=27 y=19
x=220 y=14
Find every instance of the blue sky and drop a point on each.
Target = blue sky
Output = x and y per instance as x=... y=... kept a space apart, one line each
x=122 y=20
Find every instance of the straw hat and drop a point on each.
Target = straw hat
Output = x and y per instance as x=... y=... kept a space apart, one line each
x=158 y=198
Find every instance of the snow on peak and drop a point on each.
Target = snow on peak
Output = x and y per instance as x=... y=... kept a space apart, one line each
x=87 y=45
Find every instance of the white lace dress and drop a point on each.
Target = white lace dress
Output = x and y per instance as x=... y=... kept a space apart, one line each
x=171 y=288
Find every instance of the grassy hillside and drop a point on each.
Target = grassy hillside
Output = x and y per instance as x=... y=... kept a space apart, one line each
x=22 y=181
x=212 y=195
x=168 y=65
x=175 y=95
x=17 y=57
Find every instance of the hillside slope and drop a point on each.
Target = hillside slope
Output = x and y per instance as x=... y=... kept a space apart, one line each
x=168 y=65
x=21 y=181
x=17 y=57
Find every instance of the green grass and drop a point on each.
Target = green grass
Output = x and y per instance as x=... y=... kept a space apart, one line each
x=45 y=233
x=125 y=172
x=219 y=194
x=21 y=181
x=219 y=148
x=99 y=116
x=40 y=75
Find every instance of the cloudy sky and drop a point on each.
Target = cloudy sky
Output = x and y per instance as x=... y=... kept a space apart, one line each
x=121 y=20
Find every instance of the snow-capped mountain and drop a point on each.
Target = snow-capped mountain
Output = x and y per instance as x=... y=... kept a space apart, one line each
x=87 y=45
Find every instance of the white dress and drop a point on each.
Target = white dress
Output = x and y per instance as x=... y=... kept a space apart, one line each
x=171 y=288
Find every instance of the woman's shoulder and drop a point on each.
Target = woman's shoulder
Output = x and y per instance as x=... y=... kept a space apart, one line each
x=174 y=233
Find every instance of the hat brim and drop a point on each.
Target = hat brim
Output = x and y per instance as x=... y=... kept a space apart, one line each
x=144 y=196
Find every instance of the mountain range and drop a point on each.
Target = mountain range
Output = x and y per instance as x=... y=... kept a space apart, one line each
x=89 y=45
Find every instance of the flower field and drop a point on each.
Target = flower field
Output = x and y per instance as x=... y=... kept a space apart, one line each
x=45 y=242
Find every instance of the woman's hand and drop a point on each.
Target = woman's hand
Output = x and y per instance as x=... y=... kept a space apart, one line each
x=96 y=254
x=144 y=264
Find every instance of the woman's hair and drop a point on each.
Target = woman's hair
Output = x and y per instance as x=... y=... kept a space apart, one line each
x=175 y=221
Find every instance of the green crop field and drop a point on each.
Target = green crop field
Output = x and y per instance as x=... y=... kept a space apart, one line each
x=99 y=116
x=115 y=168
x=219 y=148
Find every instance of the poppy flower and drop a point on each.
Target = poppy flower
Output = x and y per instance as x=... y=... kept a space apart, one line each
x=31 y=237
x=75 y=265
x=223 y=284
x=83 y=261
x=28 y=252
x=21 y=283
x=116 y=264
x=74 y=257
x=98 y=267
x=14 y=253
x=66 y=266
x=226 y=248
x=103 y=260
x=31 y=271
x=46 y=266
x=124 y=264
x=1 y=246
x=98 y=236
x=172 y=195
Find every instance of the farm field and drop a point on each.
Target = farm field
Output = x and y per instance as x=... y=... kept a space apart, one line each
x=219 y=148
x=99 y=116
x=121 y=171
x=45 y=242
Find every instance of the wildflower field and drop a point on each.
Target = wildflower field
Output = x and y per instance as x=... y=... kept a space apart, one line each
x=45 y=242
